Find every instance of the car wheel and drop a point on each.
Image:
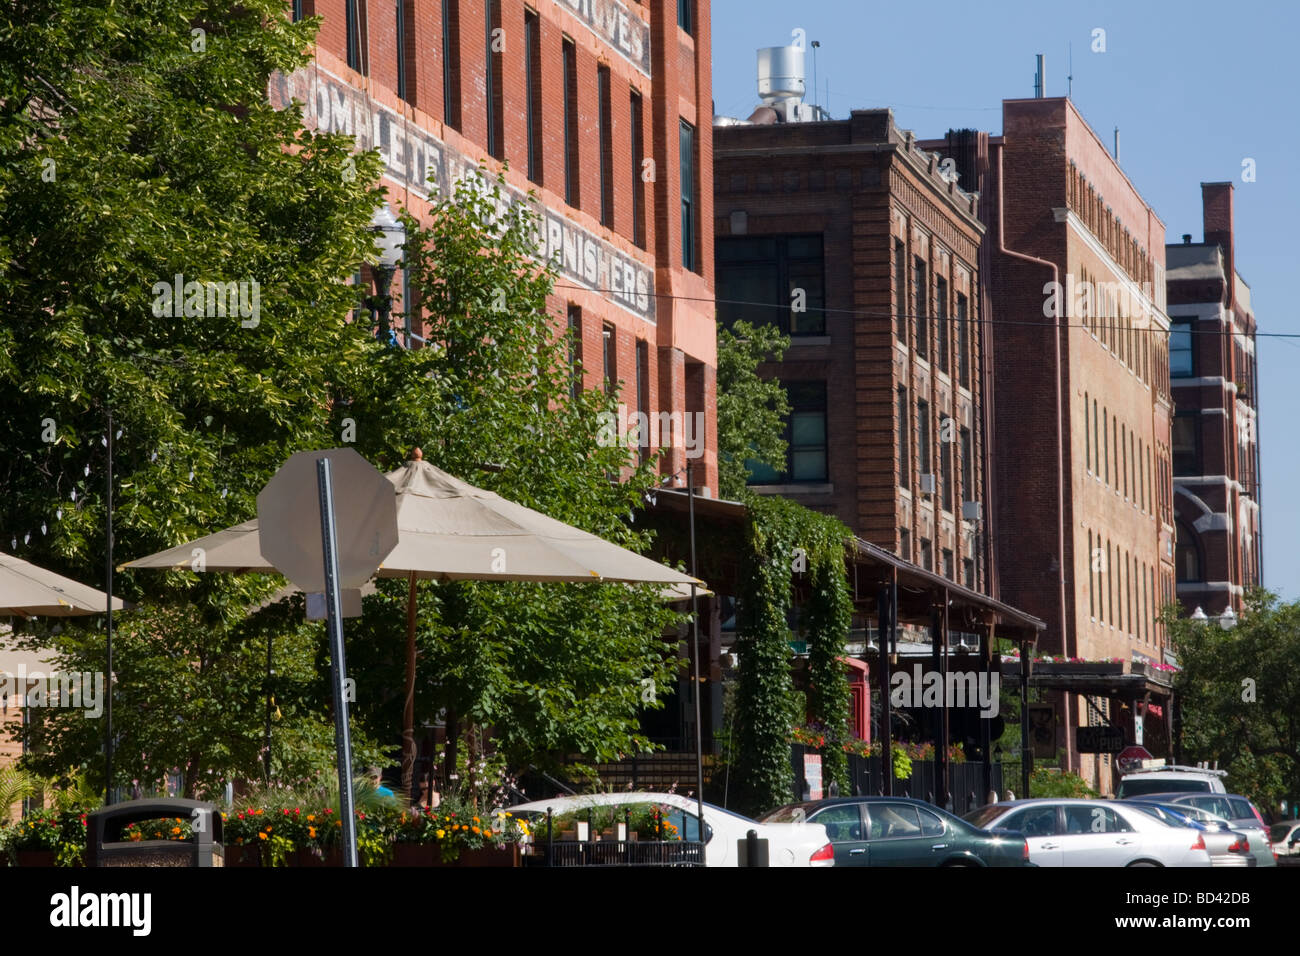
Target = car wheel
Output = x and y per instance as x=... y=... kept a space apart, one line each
x=959 y=863
x=1143 y=863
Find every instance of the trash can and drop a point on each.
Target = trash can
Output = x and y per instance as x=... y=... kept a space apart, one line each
x=111 y=840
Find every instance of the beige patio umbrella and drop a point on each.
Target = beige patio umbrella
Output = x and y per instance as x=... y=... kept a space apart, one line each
x=27 y=590
x=450 y=530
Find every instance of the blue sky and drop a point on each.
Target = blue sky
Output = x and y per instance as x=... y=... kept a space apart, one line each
x=1194 y=87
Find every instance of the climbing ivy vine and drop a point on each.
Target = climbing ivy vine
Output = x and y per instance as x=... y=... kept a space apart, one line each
x=785 y=539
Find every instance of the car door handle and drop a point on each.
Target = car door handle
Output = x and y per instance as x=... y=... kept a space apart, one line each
x=858 y=852
x=939 y=846
x=1125 y=841
x=1049 y=846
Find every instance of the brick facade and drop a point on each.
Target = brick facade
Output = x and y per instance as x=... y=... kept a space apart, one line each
x=645 y=53
x=864 y=187
x=1215 y=384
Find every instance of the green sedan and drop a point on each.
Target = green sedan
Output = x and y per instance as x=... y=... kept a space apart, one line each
x=900 y=831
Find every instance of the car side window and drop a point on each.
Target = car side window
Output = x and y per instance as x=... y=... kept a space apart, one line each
x=843 y=824
x=1216 y=805
x=931 y=825
x=894 y=820
x=1240 y=808
x=1084 y=819
x=1032 y=821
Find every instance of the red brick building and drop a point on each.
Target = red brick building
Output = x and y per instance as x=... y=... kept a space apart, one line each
x=858 y=245
x=1215 y=438
x=1081 y=485
x=602 y=107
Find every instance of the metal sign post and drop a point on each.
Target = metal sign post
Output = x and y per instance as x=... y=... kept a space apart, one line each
x=342 y=736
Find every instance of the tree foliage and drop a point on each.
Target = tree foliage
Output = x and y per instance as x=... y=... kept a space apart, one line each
x=751 y=410
x=1239 y=695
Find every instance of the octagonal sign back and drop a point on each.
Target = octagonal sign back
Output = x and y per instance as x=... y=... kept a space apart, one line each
x=365 y=516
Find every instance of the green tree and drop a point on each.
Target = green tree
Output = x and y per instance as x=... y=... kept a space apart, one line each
x=751 y=410
x=1239 y=696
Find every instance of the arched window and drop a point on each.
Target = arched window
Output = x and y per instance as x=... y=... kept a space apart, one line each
x=1187 y=555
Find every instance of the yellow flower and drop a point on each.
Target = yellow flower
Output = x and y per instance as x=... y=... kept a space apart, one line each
x=441 y=834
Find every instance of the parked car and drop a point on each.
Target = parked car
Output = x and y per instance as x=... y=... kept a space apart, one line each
x=788 y=844
x=1068 y=832
x=1237 y=810
x=1227 y=847
x=900 y=831
x=1175 y=779
x=1285 y=837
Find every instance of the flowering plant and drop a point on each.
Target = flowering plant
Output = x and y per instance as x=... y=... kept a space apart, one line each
x=61 y=831
x=808 y=737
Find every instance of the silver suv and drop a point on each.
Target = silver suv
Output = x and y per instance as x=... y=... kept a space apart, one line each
x=1141 y=783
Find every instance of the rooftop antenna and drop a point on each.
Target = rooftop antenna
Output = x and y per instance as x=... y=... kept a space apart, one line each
x=815 y=45
x=1040 y=85
x=1069 y=80
x=1117 y=144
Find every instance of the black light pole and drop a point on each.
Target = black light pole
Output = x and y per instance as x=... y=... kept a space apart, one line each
x=695 y=664
x=108 y=589
x=266 y=769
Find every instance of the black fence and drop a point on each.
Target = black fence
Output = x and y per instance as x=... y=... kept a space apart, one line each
x=866 y=778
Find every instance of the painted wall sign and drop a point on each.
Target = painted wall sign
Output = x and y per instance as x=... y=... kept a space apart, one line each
x=616 y=25
x=419 y=161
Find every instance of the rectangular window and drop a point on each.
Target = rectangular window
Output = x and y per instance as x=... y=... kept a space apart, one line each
x=945 y=461
x=948 y=564
x=686 y=142
x=493 y=100
x=604 y=121
x=963 y=341
x=1092 y=604
x=919 y=290
x=1182 y=362
x=575 y=350
x=1087 y=433
x=923 y=437
x=904 y=440
x=968 y=573
x=1105 y=431
x=1096 y=445
x=941 y=324
x=571 y=188
x=1128 y=589
x=805 y=437
x=451 y=63
x=533 y=93
x=905 y=544
x=1110 y=586
x=900 y=290
x=400 y=33
x=643 y=398
x=297 y=10
x=1122 y=460
x=352 y=26
x=610 y=344
x=927 y=555
x=768 y=280
x=638 y=183
x=967 y=467
x=1186 y=440
x=685 y=20
x=1142 y=478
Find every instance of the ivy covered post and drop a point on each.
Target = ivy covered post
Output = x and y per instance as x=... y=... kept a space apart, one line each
x=765 y=712
x=827 y=618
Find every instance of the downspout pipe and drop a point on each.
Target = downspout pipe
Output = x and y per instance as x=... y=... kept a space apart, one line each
x=1070 y=651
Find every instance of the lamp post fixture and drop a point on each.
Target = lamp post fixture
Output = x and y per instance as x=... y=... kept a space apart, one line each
x=1199 y=615
x=1228 y=619
x=390 y=236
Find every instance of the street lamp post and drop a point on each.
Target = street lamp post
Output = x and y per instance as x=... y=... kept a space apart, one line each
x=390 y=236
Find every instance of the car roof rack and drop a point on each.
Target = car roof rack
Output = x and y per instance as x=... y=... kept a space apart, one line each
x=1178 y=769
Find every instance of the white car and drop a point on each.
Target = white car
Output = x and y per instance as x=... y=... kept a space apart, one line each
x=788 y=844
x=1066 y=832
x=1172 y=779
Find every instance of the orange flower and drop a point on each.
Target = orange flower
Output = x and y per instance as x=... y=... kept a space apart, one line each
x=176 y=829
x=311 y=832
x=261 y=836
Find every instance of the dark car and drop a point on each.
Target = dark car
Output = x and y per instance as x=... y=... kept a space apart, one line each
x=900 y=831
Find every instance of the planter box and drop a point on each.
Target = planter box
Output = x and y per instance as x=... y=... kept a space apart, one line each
x=487 y=857
x=308 y=858
x=36 y=858
x=242 y=856
x=416 y=854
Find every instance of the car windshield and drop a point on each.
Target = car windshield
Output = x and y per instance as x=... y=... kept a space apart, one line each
x=1136 y=787
x=984 y=815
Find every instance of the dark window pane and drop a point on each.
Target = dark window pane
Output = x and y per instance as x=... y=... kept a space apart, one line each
x=1181 y=362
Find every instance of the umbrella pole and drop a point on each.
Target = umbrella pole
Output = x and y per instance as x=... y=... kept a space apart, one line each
x=408 y=713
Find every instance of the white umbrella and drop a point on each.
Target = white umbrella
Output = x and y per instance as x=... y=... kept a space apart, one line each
x=450 y=530
x=27 y=590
